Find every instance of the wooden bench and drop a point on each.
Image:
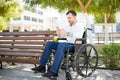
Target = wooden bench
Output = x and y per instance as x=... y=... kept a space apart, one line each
x=23 y=47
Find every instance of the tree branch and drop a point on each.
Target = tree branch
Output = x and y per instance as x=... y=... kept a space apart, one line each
x=81 y=5
x=88 y=3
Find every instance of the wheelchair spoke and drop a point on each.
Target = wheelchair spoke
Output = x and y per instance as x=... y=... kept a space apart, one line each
x=89 y=52
x=90 y=66
x=87 y=64
x=83 y=67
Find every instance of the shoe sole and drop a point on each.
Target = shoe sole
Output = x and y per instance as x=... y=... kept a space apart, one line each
x=36 y=71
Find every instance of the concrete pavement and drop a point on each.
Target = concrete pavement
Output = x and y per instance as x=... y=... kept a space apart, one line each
x=23 y=72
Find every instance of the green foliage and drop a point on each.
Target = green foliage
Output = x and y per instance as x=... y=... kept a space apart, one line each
x=101 y=7
x=97 y=7
x=60 y=5
x=100 y=19
x=2 y=24
x=112 y=51
x=9 y=9
x=28 y=8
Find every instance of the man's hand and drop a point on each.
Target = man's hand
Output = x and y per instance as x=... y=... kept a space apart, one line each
x=61 y=32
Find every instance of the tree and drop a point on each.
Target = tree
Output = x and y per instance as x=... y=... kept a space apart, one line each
x=62 y=5
x=96 y=7
x=8 y=9
x=2 y=23
x=103 y=10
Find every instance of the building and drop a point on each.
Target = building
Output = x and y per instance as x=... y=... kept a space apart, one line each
x=35 y=20
x=118 y=23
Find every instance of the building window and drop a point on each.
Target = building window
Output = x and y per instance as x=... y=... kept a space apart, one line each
x=17 y=19
x=118 y=27
x=40 y=20
x=40 y=12
x=34 y=19
x=27 y=18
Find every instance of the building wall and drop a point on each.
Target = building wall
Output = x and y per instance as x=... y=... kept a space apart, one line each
x=33 y=21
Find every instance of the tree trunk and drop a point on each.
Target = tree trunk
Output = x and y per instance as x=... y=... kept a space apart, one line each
x=84 y=10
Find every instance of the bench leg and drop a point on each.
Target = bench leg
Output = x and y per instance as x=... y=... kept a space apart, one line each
x=13 y=63
x=35 y=65
x=0 y=65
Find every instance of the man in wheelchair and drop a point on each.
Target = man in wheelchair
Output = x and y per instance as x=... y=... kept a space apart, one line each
x=71 y=32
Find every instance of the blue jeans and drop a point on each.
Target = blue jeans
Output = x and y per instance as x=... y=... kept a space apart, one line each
x=60 y=48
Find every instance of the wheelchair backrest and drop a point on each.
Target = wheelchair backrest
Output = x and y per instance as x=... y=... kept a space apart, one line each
x=80 y=41
x=84 y=37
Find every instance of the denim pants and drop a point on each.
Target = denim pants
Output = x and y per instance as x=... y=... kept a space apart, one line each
x=60 y=48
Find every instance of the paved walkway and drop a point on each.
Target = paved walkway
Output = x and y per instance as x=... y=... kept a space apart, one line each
x=23 y=72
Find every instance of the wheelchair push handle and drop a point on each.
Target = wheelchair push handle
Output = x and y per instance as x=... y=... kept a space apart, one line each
x=89 y=29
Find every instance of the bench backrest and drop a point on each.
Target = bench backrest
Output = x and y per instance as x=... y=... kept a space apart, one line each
x=24 y=43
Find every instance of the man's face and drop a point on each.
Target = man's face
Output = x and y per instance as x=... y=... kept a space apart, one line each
x=71 y=19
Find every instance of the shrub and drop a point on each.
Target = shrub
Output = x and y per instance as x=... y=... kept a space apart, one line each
x=113 y=52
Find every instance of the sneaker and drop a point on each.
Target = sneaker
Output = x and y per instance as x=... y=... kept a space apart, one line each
x=50 y=75
x=40 y=69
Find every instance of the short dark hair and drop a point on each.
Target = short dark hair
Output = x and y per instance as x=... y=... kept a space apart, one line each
x=72 y=12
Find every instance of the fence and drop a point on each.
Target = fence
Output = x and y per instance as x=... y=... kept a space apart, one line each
x=113 y=37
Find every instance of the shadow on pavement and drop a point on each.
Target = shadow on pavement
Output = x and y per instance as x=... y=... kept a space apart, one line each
x=23 y=72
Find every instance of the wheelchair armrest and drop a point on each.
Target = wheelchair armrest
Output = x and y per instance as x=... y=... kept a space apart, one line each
x=80 y=39
x=79 y=42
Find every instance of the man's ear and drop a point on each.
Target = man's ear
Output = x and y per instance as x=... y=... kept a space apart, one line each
x=75 y=17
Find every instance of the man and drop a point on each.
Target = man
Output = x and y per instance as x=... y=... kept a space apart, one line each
x=71 y=32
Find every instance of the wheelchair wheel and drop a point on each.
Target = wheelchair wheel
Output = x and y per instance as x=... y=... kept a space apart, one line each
x=86 y=60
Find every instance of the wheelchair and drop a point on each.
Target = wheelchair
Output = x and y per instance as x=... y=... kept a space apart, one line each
x=83 y=59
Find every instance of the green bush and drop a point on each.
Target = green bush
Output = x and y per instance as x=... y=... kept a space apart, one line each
x=112 y=51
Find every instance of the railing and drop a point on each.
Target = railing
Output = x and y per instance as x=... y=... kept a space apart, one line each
x=112 y=38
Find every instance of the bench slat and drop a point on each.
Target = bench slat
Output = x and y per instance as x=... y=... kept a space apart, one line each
x=22 y=51
x=24 y=42
x=26 y=38
x=20 y=54
x=22 y=47
x=30 y=61
x=27 y=33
